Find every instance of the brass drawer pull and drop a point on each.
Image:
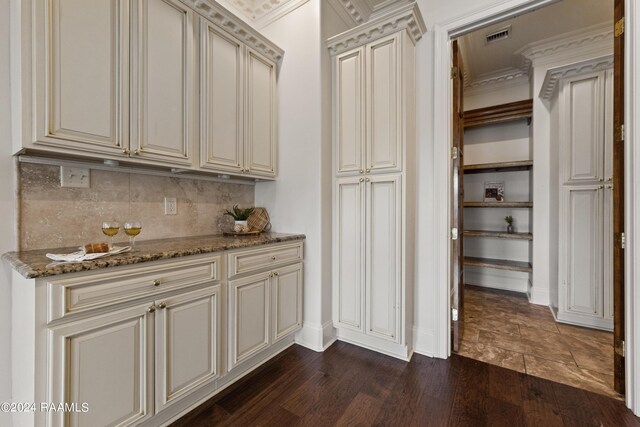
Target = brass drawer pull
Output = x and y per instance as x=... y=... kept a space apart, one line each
x=156 y=282
x=162 y=305
x=151 y=309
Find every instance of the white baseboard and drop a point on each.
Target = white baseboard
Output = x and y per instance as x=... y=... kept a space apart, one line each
x=316 y=337
x=503 y=280
x=424 y=342
x=539 y=296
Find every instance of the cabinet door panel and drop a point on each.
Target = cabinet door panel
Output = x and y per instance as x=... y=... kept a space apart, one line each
x=583 y=128
x=248 y=317
x=84 y=67
x=383 y=275
x=383 y=150
x=349 y=114
x=584 y=252
x=287 y=301
x=164 y=79
x=187 y=344
x=222 y=113
x=106 y=362
x=261 y=116
x=349 y=243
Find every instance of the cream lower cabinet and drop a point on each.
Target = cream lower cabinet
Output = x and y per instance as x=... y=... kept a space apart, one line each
x=264 y=307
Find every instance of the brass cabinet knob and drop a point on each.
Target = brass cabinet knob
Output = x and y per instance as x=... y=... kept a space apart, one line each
x=137 y=152
x=361 y=171
x=361 y=179
x=162 y=305
x=276 y=274
x=151 y=309
x=156 y=282
x=273 y=257
x=126 y=151
x=270 y=274
x=368 y=170
x=367 y=180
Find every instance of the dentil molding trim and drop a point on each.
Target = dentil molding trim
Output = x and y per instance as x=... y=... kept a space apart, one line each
x=407 y=17
x=237 y=27
x=555 y=74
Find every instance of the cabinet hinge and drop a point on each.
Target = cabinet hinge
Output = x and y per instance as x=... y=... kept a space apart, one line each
x=454 y=153
x=619 y=28
x=623 y=241
x=454 y=234
x=454 y=72
x=454 y=314
x=618 y=348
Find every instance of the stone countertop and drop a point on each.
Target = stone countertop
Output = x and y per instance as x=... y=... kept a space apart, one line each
x=34 y=264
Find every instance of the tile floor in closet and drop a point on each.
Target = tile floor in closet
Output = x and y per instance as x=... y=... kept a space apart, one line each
x=503 y=329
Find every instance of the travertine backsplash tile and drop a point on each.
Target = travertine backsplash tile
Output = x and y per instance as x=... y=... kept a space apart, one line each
x=52 y=216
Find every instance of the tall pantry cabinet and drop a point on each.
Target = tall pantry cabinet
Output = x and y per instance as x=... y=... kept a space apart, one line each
x=374 y=181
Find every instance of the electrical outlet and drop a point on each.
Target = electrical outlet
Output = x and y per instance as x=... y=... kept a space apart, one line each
x=170 y=206
x=74 y=177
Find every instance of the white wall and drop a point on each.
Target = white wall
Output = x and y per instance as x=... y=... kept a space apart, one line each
x=7 y=204
x=300 y=200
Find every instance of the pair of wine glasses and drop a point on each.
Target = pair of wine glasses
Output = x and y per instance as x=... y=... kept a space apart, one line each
x=131 y=228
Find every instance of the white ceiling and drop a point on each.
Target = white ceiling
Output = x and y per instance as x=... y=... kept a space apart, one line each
x=483 y=61
x=261 y=12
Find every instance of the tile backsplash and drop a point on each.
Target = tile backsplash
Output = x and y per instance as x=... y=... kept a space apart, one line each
x=52 y=216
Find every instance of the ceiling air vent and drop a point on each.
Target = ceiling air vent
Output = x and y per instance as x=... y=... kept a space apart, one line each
x=501 y=34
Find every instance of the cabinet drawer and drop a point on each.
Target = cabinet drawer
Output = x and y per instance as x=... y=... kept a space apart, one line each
x=264 y=258
x=98 y=290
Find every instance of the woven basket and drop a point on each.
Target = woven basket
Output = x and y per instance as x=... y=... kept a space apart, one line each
x=259 y=220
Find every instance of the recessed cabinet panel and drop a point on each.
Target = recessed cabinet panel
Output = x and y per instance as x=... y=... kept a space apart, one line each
x=383 y=152
x=164 y=82
x=222 y=112
x=287 y=301
x=584 y=250
x=248 y=317
x=349 y=119
x=261 y=116
x=187 y=344
x=81 y=108
x=583 y=127
x=383 y=255
x=104 y=361
x=349 y=259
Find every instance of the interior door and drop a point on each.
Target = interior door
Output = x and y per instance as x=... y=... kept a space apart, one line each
x=618 y=197
x=457 y=253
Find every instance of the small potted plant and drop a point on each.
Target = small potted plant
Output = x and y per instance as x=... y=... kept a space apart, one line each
x=509 y=220
x=240 y=216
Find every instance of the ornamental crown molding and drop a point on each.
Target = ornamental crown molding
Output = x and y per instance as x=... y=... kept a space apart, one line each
x=352 y=11
x=235 y=26
x=583 y=38
x=554 y=75
x=407 y=17
x=501 y=76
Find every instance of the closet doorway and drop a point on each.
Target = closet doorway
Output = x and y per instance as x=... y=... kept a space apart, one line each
x=537 y=174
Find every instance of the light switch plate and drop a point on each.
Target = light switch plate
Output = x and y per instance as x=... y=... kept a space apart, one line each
x=74 y=177
x=170 y=206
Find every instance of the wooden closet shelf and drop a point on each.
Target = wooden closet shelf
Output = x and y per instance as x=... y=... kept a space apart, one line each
x=498 y=234
x=498 y=264
x=498 y=204
x=522 y=165
x=499 y=113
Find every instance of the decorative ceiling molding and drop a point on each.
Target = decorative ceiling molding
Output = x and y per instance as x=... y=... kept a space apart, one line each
x=237 y=27
x=554 y=75
x=356 y=11
x=405 y=18
x=581 y=38
x=260 y=13
x=498 y=76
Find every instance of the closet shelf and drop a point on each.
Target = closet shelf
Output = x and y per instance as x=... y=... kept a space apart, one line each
x=498 y=264
x=522 y=165
x=498 y=204
x=499 y=113
x=498 y=234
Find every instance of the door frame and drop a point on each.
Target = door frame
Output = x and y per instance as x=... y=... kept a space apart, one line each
x=442 y=35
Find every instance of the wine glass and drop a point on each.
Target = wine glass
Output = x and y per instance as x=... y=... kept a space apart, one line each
x=132 y=228
x=110 y=228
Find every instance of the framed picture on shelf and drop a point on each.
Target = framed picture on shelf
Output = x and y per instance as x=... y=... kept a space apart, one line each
x=494 y=191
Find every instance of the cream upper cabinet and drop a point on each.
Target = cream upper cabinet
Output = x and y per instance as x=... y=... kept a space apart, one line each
x=81 y=61
x=368 y=107
x=114 y=351
x=261 y=116
x=222 y=100
x=374 y=164
x=154 y=82
x=348 y=112
x=163 y=81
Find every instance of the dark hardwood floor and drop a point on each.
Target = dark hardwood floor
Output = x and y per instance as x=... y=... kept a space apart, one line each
x=348 y=385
